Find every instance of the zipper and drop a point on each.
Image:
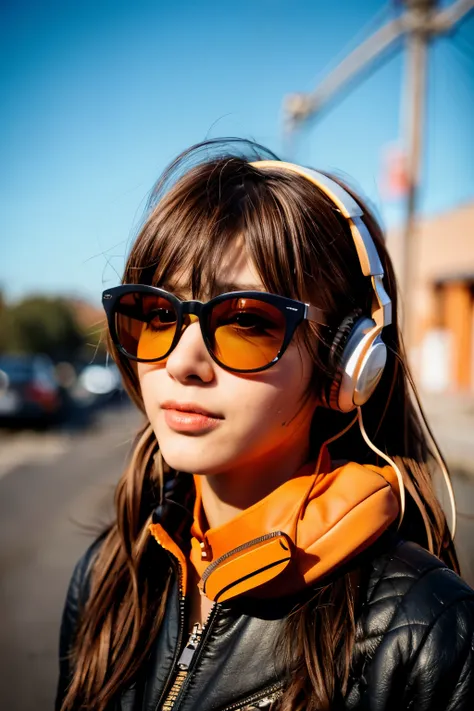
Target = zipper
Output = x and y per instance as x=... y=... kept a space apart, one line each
x=243 y=547
x=188 y=660
x=183 y=663
x=268 y=695
x=182 y=610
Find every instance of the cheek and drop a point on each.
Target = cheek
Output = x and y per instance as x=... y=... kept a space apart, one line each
x=151 y=380
x=276 y=396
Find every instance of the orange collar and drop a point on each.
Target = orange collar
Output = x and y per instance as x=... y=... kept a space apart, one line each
x=298 y=534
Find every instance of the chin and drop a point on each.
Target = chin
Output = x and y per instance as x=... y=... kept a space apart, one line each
x=194 y=455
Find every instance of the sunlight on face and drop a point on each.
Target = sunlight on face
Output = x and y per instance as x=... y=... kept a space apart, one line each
x=253 y=417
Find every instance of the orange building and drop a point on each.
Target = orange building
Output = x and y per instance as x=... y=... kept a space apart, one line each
x=439 y=320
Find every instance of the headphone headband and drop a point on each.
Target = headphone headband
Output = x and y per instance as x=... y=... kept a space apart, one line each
x=366 y=250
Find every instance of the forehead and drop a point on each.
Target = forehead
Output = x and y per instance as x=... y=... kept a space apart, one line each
x=235 y=272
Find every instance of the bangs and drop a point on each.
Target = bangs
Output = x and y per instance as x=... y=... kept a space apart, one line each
x=193 y=231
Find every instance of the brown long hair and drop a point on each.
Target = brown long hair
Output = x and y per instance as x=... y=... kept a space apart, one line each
x=302 y=248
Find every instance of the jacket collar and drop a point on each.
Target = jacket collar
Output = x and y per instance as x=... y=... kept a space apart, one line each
x=295 y=536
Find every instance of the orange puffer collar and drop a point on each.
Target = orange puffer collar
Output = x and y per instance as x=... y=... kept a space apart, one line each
x=298 y=534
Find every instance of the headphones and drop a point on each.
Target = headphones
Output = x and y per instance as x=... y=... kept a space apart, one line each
x=358 y=353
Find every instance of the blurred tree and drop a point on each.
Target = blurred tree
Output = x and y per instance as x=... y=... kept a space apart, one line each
x=41 y=324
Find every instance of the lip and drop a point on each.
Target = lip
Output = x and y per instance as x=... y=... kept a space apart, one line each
x=190 y=407
x=189 y=417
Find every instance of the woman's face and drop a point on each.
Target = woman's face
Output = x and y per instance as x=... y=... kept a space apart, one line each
x=259 y=418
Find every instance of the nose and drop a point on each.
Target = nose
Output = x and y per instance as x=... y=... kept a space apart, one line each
x=190 y=360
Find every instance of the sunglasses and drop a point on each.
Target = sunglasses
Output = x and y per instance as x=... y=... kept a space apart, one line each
x=244 y=331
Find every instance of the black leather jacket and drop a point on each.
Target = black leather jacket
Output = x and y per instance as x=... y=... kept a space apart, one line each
x=414 y=648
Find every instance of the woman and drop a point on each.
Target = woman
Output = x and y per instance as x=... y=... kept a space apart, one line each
x=278 y=543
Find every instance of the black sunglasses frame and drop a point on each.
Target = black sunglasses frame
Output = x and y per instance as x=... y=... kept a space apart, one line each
x=295 y=312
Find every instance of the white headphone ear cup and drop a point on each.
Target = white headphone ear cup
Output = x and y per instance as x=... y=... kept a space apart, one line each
x=356 y=379
x=370 y=371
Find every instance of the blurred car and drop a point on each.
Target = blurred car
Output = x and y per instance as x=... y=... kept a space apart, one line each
x=98 y=385
x=29 y=391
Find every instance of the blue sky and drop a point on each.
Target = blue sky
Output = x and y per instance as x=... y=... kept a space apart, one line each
x=97 y=96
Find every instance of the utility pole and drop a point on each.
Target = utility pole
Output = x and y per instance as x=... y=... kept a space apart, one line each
x=420 y=22
x=419 y=16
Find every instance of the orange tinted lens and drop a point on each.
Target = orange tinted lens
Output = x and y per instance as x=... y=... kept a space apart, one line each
x=246 y=333
x=145 y=324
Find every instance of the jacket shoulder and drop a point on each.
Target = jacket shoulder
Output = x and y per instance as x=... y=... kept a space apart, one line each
x=76 y=598
x=406 y=576
x=415 y=634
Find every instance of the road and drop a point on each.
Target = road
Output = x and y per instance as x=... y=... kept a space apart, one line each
x=52 y=486
x=46 y=501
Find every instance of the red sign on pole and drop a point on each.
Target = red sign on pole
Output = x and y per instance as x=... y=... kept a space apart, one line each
x=394 y=180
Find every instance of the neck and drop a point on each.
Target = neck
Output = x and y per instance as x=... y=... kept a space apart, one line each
x=226 y=494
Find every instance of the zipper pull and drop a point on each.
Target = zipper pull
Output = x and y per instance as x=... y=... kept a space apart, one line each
x=188 y=652
x=206 y=550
